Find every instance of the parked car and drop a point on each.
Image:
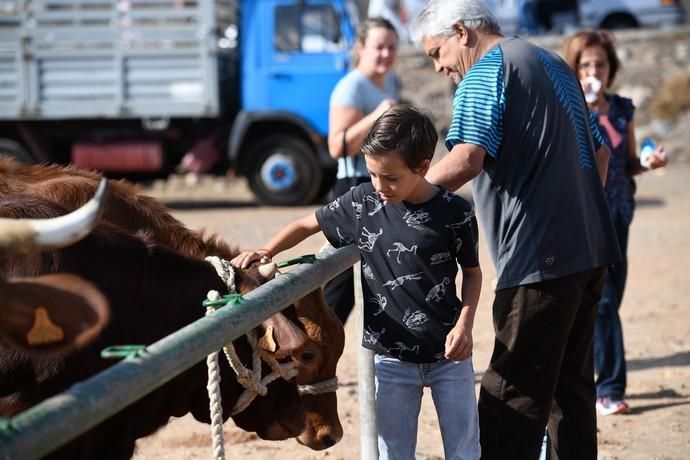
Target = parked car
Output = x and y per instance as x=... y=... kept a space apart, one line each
x=625 y=14
x=557 y=15
x=506 y=13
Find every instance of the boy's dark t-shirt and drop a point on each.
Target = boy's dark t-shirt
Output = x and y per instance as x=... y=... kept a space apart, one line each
x=409 y=258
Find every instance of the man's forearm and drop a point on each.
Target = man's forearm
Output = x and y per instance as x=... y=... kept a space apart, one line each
x=458 y=167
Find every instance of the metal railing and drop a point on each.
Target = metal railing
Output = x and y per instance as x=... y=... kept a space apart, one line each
x=57 y=420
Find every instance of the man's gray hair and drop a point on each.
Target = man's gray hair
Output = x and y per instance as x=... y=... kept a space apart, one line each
x=439 y=16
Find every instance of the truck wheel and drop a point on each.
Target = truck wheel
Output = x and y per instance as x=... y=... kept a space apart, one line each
x=619 y=21
x=284 y=171
x=16 y=151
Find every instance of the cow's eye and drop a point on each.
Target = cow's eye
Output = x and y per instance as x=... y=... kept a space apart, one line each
x=307 y=357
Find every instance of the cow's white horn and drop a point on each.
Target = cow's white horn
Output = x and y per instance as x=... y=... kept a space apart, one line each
x=268 y=270
x=22 y=235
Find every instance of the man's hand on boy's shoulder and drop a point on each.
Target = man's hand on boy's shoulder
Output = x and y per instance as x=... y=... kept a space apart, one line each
x=459 y=342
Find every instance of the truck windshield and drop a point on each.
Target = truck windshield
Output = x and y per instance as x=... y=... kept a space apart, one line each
x=308 y=28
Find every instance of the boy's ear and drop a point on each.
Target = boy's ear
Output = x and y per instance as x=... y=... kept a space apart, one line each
x=423 y=168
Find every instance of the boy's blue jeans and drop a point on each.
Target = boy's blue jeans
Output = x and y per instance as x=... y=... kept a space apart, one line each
x=399 y=389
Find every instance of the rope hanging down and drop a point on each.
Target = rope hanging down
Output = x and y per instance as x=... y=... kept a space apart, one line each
x=215 y=406
x=251 y=380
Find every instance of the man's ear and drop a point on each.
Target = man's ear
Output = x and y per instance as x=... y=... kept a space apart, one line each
x=462 y=32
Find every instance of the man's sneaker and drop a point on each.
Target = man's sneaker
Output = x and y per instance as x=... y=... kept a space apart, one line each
x=608 y=406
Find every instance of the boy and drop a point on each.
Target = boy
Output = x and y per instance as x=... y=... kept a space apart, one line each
x=411 y=235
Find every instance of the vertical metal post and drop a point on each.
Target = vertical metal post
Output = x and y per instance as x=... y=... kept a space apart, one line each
x=365 y=371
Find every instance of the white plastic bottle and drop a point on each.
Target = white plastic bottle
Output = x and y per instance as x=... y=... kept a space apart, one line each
x=646 y=152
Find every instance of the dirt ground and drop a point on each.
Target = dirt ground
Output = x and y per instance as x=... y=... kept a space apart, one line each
x=655 y=311
x=655 y=318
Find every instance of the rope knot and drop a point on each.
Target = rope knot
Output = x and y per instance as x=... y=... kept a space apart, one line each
x=225 y=272
x=252 y=383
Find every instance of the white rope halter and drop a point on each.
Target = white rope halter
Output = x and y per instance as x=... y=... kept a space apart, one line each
x=251 y=380
x=325 y=386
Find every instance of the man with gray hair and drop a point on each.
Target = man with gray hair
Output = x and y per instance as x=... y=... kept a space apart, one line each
x=521 y=129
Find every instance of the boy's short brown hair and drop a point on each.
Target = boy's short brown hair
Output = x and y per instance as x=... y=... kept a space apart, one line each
x=405 y=130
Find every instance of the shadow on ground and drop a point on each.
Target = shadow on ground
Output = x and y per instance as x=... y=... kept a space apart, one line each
x=186 y=205
x=636 y=410
x=681 y=358
x=650 y=202
x=663 y=393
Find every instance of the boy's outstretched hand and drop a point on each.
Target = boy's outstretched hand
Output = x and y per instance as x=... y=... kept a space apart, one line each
x=244 y=259
x=459 y=343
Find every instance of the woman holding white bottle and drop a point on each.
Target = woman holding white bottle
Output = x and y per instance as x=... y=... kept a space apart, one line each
x=592 y=54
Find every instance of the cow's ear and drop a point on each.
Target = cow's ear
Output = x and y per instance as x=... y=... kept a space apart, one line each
x=281 y=336
x=51 y=314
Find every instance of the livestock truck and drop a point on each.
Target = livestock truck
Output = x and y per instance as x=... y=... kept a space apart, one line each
x=132 y=86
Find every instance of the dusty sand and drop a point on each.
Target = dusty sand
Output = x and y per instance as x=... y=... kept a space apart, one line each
x=655 y=315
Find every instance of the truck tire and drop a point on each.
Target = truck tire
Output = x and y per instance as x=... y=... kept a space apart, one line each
x=16 y=151
x=619 y=21
x=284 y=171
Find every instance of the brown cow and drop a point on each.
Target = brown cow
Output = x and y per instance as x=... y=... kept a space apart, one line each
x=131 y=210
x=317 y=362
x=126 y=208
x=55 y=313
x=153 y=291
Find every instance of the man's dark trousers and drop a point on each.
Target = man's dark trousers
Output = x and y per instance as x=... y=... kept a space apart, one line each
x=542 y=370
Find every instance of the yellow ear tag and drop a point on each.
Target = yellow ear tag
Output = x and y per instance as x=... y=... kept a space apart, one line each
x=44 y=330
x=267 y=342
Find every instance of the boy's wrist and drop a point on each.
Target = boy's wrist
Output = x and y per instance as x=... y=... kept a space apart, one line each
x=264 y=252
x=466 y=317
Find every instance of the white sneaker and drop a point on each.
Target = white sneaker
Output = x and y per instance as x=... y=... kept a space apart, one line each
x=608 y=406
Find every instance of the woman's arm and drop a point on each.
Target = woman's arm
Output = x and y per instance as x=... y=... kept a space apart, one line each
x=290 y=236
x=357 y=124
x=657 y=160
x=634 y=166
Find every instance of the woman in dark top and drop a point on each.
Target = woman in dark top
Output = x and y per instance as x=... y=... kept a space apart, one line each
x=592 y=54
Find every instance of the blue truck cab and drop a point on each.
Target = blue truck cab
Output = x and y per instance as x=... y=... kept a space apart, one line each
x=291 y=56
x=133 y=87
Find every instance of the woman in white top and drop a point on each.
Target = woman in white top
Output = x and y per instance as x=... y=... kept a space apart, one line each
x=357 y=100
